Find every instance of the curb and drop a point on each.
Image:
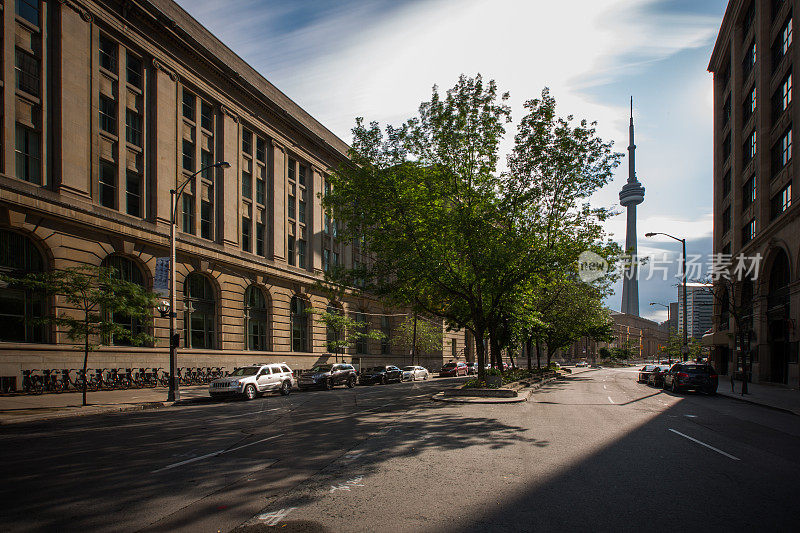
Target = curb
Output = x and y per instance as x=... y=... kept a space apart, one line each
x=795 y=412
x=522 y=397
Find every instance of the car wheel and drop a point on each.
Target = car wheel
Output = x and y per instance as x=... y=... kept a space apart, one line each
x=250 y=392
x=674 y=387
x=351 y=382
x=286 y=388
x=328 y=384
x=426 y=377
x=383 y=380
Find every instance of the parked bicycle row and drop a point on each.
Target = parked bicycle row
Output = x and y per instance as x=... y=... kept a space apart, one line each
x=35 y=381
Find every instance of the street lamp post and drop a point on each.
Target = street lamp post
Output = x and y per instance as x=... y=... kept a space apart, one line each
x=685 y=353
x=174 y=393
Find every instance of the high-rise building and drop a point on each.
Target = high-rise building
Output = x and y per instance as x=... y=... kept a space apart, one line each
x=699 y=306
x=107 y=107
x=753 y=63
x=631 y=195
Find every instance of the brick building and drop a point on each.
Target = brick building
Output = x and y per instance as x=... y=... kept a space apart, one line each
x=755 y=211
x=107 y=106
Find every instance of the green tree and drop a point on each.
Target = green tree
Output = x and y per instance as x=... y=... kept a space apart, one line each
x=345 y=330
x=428 y=336
x=449 y=234
x=95 y=296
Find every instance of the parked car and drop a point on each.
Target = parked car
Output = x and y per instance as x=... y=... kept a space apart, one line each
x=656 y=377
x=581 y=364
x=454 y=370
x=328 y=376
x=250 y=381
x=684 y=376
x=644 y=372
x=472 y=368
x=380 y=374
x=417 y=372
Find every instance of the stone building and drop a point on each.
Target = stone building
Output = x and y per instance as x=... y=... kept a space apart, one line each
x=107 y=107
x=755 y=213
x=644 y=337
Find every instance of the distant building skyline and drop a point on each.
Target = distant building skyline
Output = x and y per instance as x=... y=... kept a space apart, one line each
x=700 y=306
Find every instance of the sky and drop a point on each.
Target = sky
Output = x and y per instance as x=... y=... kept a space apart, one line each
x=379 y=59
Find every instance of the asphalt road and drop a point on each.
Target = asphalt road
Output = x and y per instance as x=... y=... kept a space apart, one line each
x=594 y=452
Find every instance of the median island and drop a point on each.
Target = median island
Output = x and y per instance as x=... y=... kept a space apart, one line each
x=500 y=387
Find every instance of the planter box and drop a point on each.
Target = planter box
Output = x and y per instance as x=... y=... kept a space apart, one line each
x=494 y=381
x=482 y=393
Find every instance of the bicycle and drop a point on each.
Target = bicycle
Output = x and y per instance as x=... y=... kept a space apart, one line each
x=32 y=383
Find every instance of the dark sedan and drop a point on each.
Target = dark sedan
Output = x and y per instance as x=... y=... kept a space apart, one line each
x=685 y=376
x=645 y=371
x=380 y=374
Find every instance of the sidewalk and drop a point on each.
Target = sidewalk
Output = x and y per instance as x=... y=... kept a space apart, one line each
x=29 y=408
x=778 y=397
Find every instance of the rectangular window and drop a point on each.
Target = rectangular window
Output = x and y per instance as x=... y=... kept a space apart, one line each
x=749 y=106
x=261 y=150
x=108 y=114
x=247 y=185
x=28 y=155
x=188 y=155
x=301 y=174
x=206 y=219
x=292 y=166
x=781 y=201
x=108 y=185
x=327 y=226
x=749 y=231
x=26 y=68
x=290 y=250
x=726 y=220
x=29 y=10
x=726 y=111
x=108 y=54
x=782 y=96
x=247 y=228
x=133 y=194
x=726 y=147
x=749 y=193
x=326 y=260
x=206 y=160
x=260 y=233
x=726 y=184
x=786 y=147
x=301 y=253
x=247 y=142
x=261 y=191
x=749 y=60
x=726 y=250
x=133 y=70
x=335 y=258
x=188 y=213
x=206 y=116
x=188 y=105
x=786 y=36
x=133 y=127
x=301 y=212
x=386 y=329
x=290 y=206
x=750 y=148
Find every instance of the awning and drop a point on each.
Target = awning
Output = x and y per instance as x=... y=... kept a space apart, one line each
x=715 y=338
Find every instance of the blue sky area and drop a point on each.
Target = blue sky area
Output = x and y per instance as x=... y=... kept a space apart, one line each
x=379 y=59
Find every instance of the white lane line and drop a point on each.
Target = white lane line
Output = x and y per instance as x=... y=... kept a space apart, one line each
x=704 y=444
x=213 y=454
x=604 y=387
x=610 y=400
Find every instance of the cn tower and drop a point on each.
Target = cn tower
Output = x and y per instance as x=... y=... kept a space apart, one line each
x=631 y=195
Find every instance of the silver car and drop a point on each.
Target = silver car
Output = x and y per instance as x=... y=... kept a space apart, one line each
x=415 y=373
x=250 y=381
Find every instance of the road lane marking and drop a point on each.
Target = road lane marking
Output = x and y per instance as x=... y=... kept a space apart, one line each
x=704 y=444
x=251 y=413
x=274 y=518
x=213 y=454
x=604 y=387
x=610 y=400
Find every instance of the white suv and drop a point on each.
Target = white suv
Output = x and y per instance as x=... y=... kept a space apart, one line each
x=250 y=381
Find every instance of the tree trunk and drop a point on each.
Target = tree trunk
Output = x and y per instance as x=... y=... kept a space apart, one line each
x=528 y=348
x=549 y=355
x=85 y=361
x=538 y=354
x=480 y=355
x=495 y=351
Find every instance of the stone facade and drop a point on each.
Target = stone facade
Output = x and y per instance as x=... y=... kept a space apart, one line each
x=644 y=336
x=107 y=107
x=755 y=205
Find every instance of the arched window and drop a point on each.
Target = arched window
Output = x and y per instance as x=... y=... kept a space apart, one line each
x=299 y=320
x=779 y=282
x=256 y=315
x=200 y=312
x=126 y=270
x=361 y=342
x=18 y=307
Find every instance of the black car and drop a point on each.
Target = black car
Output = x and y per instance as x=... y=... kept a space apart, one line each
x=380 y=374
x=328 y=376
x=644 y=372
x=656 y=377
x=684 y=376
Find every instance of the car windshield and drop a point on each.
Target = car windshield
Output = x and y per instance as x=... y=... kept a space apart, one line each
x=449 y=365
x=648 y=368
x=408 y=368
x=375 y=369
x=245 y=371
x=322 y=368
